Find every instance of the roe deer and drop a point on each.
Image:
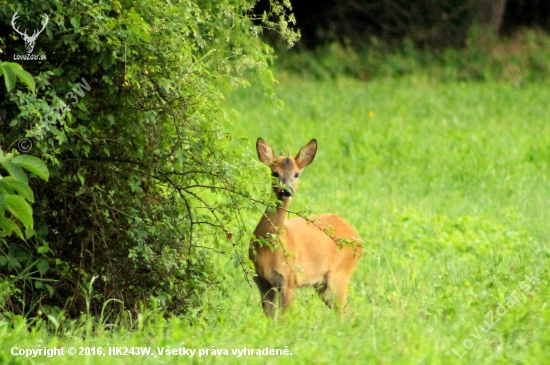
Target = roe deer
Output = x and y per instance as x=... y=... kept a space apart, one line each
x=321 y=251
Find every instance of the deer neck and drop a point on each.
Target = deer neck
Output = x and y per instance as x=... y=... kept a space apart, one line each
x=272 y=220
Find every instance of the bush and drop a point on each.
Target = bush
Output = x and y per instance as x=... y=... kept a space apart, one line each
x=144 y=186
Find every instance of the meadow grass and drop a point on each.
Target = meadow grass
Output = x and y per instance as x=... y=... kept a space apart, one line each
x=447 y=184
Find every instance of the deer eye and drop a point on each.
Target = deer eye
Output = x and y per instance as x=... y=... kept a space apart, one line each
x=275 y=174
x=296 y=175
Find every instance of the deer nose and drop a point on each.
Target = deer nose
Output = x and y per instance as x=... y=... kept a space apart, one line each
x=287 y=193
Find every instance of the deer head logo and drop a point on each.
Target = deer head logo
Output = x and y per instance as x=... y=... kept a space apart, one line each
x=29 y=40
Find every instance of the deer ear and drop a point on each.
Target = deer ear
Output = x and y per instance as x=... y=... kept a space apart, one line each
x=265 y=152
x=306 y=154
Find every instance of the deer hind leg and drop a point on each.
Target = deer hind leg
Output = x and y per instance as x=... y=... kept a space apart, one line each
x=269 y=296
x=340 y=289
x=334 y=292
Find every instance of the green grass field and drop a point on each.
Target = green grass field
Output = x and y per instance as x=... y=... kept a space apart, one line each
x=448 y=185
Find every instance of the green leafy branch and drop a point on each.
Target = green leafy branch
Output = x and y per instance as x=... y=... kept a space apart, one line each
x=15 y=193
x=13 y=71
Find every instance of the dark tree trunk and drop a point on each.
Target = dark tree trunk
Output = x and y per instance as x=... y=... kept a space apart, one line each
x=489 y=14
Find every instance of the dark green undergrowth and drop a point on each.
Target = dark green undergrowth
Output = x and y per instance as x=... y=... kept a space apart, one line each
x=522 y=57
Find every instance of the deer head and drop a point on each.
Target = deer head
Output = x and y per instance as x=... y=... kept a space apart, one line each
x=285 y=170
x=29 y=40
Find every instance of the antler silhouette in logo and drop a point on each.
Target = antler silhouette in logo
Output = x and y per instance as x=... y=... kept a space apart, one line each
x=29 y=41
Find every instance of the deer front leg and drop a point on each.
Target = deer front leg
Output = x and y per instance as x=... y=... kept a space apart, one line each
x=325 y=294
x=287 y=296
x=287 y=285
x=268 y=295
